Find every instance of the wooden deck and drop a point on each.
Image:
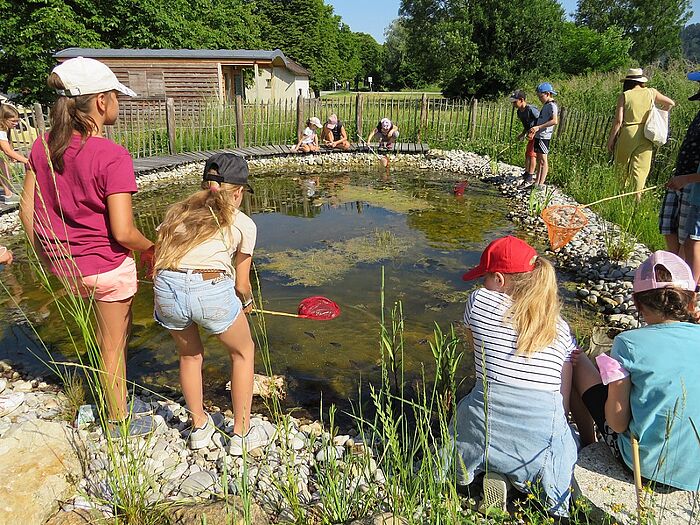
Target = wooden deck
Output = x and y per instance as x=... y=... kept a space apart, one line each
x=146 y=164
x=255 y=152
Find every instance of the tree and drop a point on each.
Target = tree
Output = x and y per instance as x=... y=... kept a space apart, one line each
x=400 y=69
x=31 y=31
x=371 y=55
x=690 y=41
x=481 y=48
x=584 y=50
x=654 y=26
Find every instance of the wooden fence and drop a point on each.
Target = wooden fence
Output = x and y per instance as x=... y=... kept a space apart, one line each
x=161 y=127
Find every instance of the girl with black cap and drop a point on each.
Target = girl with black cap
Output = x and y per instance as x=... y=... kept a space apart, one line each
x=203 y=259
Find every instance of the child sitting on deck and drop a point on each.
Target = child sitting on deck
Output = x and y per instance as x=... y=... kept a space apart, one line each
x=649 y=388
x=203 y=260
x=513 y=423
x=309 y=139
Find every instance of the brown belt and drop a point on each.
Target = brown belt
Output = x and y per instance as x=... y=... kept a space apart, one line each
x=207 y=275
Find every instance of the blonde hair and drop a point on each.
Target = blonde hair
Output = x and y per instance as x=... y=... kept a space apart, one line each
x=7 y=111
x=68 y=114
x=536 y=307
x=194 y=220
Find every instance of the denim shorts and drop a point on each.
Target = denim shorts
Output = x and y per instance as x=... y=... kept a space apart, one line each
x=185 y=298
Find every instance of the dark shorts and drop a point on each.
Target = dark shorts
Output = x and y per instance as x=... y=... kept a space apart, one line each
x=542 y=146
x=594 y=398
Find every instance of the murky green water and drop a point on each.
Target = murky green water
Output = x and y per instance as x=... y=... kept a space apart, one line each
x=326 y=235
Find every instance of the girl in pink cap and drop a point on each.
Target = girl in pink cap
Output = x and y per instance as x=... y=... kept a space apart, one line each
x=76 y=210
x=522 y=354
x=648 y=388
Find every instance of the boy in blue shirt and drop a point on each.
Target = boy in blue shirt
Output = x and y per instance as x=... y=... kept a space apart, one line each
x=544 y=129
x=527 y=113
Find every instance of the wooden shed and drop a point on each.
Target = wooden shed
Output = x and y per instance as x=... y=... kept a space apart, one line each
x=202 y=74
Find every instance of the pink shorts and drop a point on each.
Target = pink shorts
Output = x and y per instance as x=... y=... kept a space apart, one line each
x=115 y=285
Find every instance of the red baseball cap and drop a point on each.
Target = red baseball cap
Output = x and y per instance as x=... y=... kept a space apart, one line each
x=506 y=255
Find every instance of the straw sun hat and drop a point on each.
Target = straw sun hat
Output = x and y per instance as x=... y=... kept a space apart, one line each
x=636 y=74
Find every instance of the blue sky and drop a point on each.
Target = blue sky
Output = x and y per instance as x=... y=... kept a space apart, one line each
x=372 y=16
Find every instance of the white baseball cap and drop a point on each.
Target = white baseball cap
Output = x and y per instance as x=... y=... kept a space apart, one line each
x=87 y=76
x=315 y=121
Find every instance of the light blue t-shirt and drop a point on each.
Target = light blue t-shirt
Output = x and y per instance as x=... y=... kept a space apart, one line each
x=664 y=365
x=694 y=195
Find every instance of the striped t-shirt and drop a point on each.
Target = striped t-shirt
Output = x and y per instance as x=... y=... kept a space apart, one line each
x=484 y=315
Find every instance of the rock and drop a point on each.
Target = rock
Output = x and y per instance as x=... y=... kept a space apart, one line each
x=385 y=518
x=610 y=488
x=197 y=483
x=220 y=512
x=329 y=453
x=79 y=517
x=38 y=463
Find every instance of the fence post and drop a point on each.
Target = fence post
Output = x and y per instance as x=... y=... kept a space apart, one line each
x=39 y=118
x=170 y=124
x=423 y=115
x=472 y=118
x=300 y=115
x=359 y=104
x=240 y=130
x=562 y=122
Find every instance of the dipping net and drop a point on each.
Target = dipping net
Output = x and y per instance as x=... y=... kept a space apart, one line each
x=563 y=222
x=319 y=308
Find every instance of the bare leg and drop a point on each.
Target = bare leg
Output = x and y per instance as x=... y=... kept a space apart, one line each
x=544 y=168
x=530 y=164
x=191 y=350
x=585 y=376
x=239 y=344
x=113 y=326
x=672 y=244
x=692 y=257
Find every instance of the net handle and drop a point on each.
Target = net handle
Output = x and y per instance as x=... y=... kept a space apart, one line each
x=273 y=312
x=638 y=192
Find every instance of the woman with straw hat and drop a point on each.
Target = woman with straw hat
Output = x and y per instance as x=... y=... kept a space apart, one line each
x=632 y=150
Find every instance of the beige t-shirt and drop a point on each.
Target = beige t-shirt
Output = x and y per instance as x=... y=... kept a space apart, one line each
x=219 y=252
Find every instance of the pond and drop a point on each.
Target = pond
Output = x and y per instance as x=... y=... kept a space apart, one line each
x=327 y=235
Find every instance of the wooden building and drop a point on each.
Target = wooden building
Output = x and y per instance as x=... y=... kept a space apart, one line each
x=202 y=74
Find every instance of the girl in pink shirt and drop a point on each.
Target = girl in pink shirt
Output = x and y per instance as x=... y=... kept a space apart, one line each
x=76 y=210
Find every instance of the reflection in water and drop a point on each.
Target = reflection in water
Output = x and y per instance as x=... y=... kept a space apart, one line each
x=317 y=235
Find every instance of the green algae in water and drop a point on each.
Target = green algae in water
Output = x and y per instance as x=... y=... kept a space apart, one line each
x=319 y=266
x=387 y=198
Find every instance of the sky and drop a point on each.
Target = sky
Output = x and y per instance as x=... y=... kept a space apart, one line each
x=373 y=16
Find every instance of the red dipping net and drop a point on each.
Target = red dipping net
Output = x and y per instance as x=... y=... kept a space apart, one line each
x=319 y=308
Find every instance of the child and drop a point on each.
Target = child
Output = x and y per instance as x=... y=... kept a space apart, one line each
x=528 y=114
x=9 y=118
x=334 y=134
x=543 y=130
x=203 y=260
x=76 y=210
x=309 y=140
x=388 y=133
x=649 y=389
x=522 y=353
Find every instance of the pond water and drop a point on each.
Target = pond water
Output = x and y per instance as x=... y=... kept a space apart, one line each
x=324 y=235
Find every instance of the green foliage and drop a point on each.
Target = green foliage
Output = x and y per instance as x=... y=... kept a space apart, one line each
x=690 y=42
x=584 y=50
x=653 y=25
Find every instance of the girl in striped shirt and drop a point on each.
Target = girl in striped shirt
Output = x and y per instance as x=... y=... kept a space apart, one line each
x=513 y=424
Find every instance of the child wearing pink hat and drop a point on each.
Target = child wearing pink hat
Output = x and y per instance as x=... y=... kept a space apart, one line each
x=648 y=388
x=387 y=132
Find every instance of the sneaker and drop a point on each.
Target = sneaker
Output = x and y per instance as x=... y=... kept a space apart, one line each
x=495 y=493
x=527 y=179
x=132 y=427
x=10 y=402
x=256 y=437
x=201 y=437
x=138 y=408
x=11 y=199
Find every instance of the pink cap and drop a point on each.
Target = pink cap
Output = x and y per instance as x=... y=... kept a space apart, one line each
x=681 y=274
x=386 y=123
x=332 y=121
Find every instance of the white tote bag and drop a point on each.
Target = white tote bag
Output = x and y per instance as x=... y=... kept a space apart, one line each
x=656 y=126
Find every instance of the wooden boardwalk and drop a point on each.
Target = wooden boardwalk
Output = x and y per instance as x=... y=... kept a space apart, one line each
x=256 y=152
x=146 y=164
